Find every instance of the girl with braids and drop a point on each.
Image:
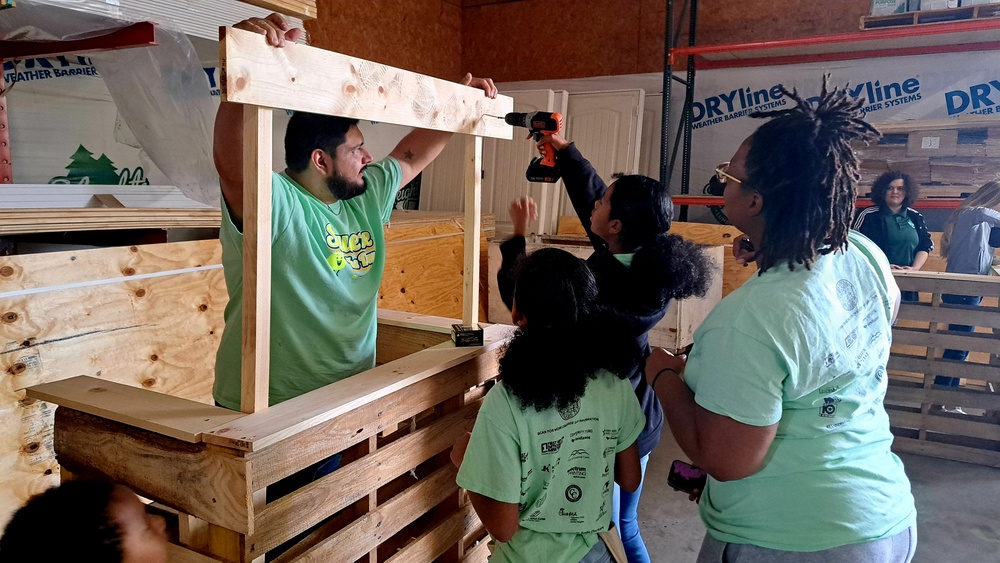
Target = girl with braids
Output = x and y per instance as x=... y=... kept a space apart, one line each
x=639 y=268
x=780 y=401
x=894 y=226
x=561 y=425
x=970 y=238
x=92 y=521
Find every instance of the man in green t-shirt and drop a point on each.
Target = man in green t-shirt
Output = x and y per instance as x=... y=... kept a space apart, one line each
x=327 y=243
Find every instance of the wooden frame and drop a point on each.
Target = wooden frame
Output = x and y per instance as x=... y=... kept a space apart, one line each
x=919 y=338
x=387 y=423
x=301 y=78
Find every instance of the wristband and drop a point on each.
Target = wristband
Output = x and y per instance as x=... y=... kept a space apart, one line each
x=658 y=374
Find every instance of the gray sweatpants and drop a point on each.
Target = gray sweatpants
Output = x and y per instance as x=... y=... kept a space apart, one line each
x=894 y=549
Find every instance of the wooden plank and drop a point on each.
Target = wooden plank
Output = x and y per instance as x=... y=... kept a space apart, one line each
x=256 y=314
x=367 y=532
x=22 y=221
x=157 y=412
x=946 y=451
x=733 y=274
x=401 y=334
x=260 y=430
x=157 y=467
x=959 y=397
x=952 y=314
x=425 y=266
x=395 y=342
x=302 y=9
x=963 y=426
x=159 y=334
x=303 y=78
x=31 y=271
x=950 y=368
x=109 y=201
x=179 y=554
x=480 y=553
x=365 y=421
x=434 y=542
x=473 y=211
x=941 y=282
x=972 y=341
x=292 y=514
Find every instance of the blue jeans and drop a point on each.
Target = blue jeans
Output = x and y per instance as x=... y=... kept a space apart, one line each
x=625 y=515
x=959 y=355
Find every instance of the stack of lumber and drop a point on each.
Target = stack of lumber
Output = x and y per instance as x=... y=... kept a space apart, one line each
x=948 y=159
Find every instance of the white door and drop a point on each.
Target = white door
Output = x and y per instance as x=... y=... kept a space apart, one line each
x=605 y=127
x=649 y=150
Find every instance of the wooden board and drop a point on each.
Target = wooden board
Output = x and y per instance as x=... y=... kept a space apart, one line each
x=21 y=221
x=303 y=78
x=302 y=9
x=918 y=339
x=425 y=265
x=261 y=430
x=178 y=418
x=733 y=274
x=296 y=512
x=192 y=478
x=147 y=316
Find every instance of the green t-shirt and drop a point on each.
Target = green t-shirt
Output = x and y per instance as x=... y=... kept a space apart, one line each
x=901 y=237
x=557 y=465
x=326 y=267
x=807 y=350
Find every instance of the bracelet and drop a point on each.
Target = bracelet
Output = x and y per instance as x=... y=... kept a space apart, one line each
x=657 y=376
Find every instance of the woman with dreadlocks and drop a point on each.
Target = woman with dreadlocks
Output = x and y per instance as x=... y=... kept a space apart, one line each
x=781 y=399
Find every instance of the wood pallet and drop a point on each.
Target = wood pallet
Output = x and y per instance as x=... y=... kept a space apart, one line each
x=982 y=11
x=919 y=337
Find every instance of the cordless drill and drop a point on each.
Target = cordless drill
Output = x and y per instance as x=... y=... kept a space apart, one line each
x=539 y=123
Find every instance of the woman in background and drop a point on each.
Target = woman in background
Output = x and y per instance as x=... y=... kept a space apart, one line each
x=896 y=228
x=970 y=238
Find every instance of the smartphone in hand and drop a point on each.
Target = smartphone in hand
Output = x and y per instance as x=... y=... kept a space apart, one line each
x=686 y=478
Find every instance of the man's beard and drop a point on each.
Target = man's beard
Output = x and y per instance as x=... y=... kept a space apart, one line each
x=342 y=189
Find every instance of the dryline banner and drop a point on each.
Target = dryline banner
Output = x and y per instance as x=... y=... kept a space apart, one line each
x=925 y=87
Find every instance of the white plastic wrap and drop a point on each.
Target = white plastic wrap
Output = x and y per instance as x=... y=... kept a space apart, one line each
x=161 y=92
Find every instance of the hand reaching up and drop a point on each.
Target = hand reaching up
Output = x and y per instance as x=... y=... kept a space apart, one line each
x=522 y=210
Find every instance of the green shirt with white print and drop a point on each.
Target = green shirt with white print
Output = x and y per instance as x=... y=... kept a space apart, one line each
x=327 y=262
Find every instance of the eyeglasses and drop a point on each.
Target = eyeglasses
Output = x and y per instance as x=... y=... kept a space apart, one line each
x=723 y=176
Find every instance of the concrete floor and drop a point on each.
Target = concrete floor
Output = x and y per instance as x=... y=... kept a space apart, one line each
x=958 y=510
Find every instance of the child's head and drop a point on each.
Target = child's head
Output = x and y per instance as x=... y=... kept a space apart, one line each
x=93 y=521
x=635 y=209
x=552 y=288
x=565 y=336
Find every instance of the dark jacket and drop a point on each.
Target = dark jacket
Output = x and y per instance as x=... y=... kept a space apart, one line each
x=616 y=284
x=869 y=223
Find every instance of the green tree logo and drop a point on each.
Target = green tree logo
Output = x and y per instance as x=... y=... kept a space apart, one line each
x=85 y=169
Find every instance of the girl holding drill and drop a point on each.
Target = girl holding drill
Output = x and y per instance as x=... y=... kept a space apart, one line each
x=639 y=269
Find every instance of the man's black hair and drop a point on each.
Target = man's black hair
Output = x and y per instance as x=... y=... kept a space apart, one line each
x=71 y=522
x=307 y=132
x=802 y=164
x=881 y=187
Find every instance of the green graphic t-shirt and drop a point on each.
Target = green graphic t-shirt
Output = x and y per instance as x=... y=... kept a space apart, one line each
x=557 y=465
x=326 y=268
x=807 y=350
